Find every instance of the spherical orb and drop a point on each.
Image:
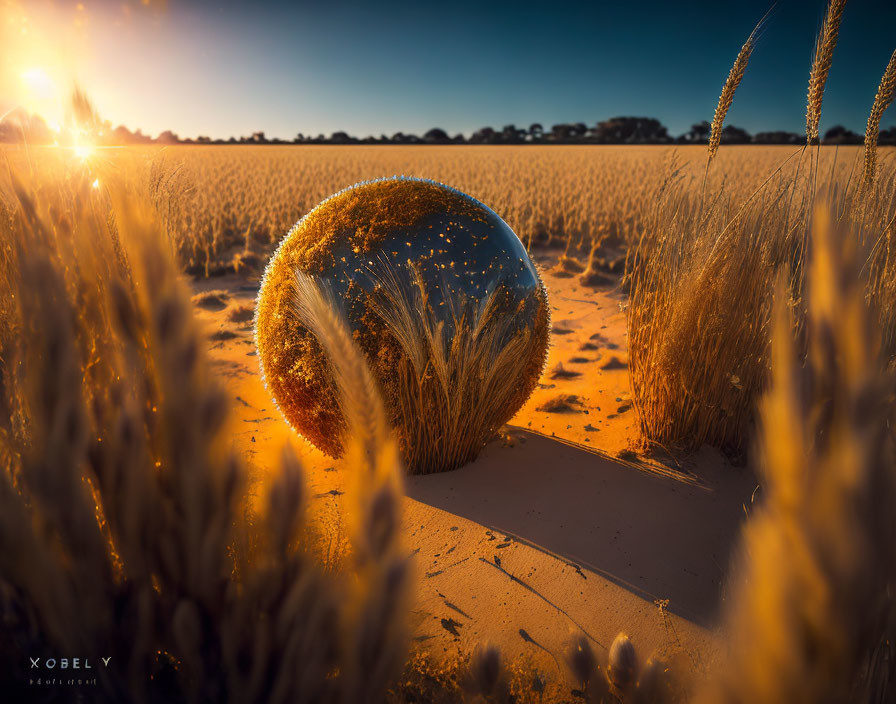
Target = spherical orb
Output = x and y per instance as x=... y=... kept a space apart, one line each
x=441 y=297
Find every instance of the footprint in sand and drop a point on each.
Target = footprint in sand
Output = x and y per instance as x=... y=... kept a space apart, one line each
x=212 y=300
x=560 y=372
x=564 y=403
x=241 y=314
x=228 y=368
x=603 y=341
x=450 y=625
x=614 y=363
x=597 y=279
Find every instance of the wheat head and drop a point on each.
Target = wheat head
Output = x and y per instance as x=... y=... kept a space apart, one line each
x=735 y=76
x=886 y=91
x=821 y=66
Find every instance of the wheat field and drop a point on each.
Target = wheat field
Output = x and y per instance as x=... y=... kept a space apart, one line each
x=710 y=266
x=244 y=199
x=222 y=204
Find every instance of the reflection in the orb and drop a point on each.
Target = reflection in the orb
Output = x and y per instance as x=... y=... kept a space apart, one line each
x=441 y=296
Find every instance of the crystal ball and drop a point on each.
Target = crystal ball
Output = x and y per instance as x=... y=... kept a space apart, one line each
x=440 y=296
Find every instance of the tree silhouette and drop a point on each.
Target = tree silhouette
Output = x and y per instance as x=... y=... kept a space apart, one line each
x=562 y=133
x=838 y=134
x=630 y=130
x=484 y=135
x=778 y=137
x=698 y=134
x=735 y=135
x=19 y=126
x=511 y=135
x=436 y=136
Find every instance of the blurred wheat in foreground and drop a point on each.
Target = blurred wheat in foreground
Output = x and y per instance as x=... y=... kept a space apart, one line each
x=123 y=529
x=812 y=615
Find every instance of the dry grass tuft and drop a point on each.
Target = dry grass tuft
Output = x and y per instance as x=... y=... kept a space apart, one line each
x=698 y=305
x=458 y=382
x=562 y=403
x=212 y=300
x=241 y=314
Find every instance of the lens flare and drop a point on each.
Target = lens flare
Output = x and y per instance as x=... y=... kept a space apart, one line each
x=82 y=151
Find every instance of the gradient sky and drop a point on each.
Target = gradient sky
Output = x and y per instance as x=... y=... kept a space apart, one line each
x=228 y=68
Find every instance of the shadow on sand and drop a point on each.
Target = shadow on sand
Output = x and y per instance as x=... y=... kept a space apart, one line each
x=658 y=534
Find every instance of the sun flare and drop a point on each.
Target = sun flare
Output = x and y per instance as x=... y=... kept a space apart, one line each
x=82 y=151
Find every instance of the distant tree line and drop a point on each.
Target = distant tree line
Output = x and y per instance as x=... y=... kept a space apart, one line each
x=20 y=126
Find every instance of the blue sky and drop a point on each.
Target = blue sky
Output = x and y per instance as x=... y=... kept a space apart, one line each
x=226 y=68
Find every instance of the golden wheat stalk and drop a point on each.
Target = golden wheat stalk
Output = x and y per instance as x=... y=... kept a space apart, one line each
x=371 y=450
x=735 y=76
x=317 y=308
x=370 y=446
x=886 y=91
x=821 y=66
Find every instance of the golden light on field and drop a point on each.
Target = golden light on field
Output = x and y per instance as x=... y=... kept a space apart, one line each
x=686 y=449
x=49 y=48
x=44 y=51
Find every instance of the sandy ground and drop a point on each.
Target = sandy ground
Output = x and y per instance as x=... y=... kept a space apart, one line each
x=560 y=526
